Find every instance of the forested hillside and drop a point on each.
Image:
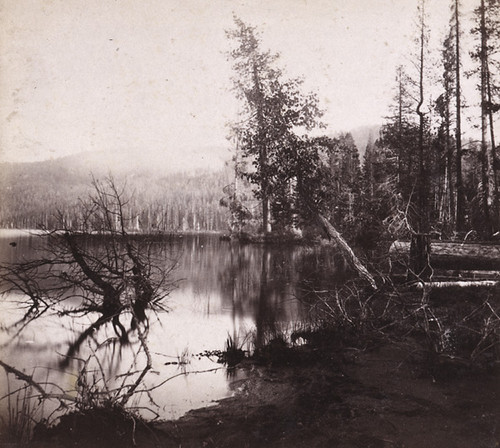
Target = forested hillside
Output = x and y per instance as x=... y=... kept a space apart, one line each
x=33 y=193
x=164 y=197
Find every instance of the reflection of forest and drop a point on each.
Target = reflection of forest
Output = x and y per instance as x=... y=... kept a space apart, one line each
x=242 y=290
x=269 y=284
x=264 y=283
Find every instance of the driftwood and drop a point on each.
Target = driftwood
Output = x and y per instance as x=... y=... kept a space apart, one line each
x=347 y=252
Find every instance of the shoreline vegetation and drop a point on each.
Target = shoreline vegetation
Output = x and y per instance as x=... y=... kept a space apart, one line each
x=360 y=377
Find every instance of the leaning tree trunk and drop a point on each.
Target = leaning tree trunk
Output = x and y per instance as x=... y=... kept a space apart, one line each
x=347 y=252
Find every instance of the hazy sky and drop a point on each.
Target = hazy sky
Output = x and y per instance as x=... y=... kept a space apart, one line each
x=153 y=76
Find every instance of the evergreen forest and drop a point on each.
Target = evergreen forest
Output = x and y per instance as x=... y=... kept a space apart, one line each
x=424 y=170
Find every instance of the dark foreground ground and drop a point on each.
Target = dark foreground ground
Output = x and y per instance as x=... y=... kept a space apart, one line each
x=383 y=397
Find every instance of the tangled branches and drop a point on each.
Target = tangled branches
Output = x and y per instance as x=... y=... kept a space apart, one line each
x=462 y=327
x=93 y=267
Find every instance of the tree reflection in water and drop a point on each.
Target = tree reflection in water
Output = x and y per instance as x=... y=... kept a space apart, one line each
x=224 y=289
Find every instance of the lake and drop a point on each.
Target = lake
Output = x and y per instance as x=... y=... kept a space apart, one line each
x=224 y=289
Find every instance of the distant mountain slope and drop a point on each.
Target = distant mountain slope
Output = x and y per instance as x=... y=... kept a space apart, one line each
x=362 y=135
x=31 y=193
x=187 y=159
x=188 y=185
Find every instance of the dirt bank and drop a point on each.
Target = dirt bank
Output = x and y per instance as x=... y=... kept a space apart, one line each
x=384 y=397
x=379 y=398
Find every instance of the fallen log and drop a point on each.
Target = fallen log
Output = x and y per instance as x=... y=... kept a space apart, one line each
x=458 y=284
x=451 y=255
x=467 y=274
x=346 y=250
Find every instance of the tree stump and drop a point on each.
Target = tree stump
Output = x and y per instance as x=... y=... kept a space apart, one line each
x=420 y=254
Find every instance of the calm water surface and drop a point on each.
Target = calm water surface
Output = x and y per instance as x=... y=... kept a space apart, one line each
x=225 y=289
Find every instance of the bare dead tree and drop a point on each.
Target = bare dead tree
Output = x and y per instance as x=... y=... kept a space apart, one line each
x=93 y=267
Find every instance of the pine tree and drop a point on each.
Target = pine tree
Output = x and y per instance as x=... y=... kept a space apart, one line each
x=487 y=17
x=273 y=108
x=460 y=205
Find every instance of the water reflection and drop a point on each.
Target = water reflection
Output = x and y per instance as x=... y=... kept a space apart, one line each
x=225 y=289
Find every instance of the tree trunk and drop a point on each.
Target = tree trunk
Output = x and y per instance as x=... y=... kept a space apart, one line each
x=460 y=208
x=347 y=252
x=449 y=190
x=493 y=155
x=423 y=221
x=486 y=178
x=400 y=129
x=263 y=156
x=266 y=215
x=459 y=284
x=420 y=253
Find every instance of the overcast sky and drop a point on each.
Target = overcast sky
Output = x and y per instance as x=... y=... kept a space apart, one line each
x=153 y=76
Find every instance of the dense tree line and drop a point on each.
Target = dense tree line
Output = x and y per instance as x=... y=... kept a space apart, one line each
x=420 y=175
x=460 y=177
x=33 y=196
